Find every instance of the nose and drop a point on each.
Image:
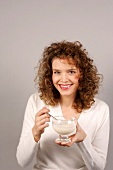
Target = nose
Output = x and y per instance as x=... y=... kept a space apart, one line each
x=64 y=77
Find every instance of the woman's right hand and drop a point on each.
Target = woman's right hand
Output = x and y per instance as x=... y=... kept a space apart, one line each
x=41 y=119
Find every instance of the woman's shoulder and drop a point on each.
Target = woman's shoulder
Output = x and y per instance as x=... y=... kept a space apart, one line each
x=36 y=101
x=98 y=106
x=100 y=103
x=101 y=107
x=34 y=96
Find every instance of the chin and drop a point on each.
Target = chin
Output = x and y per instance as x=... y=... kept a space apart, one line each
x=65 y=94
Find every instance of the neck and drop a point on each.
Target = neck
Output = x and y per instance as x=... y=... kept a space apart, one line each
x=66 y=101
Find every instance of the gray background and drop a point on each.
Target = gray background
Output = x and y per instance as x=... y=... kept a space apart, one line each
x=26 y=27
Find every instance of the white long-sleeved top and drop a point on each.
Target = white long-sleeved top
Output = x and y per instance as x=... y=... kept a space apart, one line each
x=91 y=154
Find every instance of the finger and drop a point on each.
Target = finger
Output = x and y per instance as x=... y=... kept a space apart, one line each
x=42 y=121
x=43 y=130
x=63 y=143
x=71 y=136
x=44 y=116
x=42 y=127
x=67 y=143
x=58 y=143
x=42 y=111
x=78 y=126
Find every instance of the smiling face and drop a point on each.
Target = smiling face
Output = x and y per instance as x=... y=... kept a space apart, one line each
x=65 y=77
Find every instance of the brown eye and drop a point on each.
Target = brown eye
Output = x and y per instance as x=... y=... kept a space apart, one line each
x=72 y=72
x=56 y=72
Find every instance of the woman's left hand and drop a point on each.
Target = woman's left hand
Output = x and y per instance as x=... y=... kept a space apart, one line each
x=78 y=137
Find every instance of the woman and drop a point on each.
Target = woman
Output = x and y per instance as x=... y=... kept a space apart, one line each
x=68 y=82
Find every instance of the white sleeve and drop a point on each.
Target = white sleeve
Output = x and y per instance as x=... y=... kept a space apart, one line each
x=27 y=146
x=94 y=154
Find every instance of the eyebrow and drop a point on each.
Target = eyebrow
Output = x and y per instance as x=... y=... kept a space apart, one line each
x=66 y=70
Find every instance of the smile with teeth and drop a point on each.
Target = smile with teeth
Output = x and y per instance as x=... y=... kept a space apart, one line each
x=65 y=86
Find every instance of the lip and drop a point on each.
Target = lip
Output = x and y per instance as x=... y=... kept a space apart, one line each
x=65 y=86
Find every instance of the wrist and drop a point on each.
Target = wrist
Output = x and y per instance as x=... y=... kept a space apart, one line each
x=36 y=137
x=82 y=138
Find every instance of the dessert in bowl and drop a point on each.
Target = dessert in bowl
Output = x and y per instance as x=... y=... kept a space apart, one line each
x=64 y=126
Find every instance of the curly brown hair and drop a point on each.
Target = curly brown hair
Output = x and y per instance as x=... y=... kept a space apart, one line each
x=89 y=78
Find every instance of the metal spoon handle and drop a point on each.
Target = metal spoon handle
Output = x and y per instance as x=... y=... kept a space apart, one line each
x=51 y=115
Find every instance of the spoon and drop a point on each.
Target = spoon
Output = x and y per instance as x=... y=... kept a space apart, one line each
x=52 y=116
